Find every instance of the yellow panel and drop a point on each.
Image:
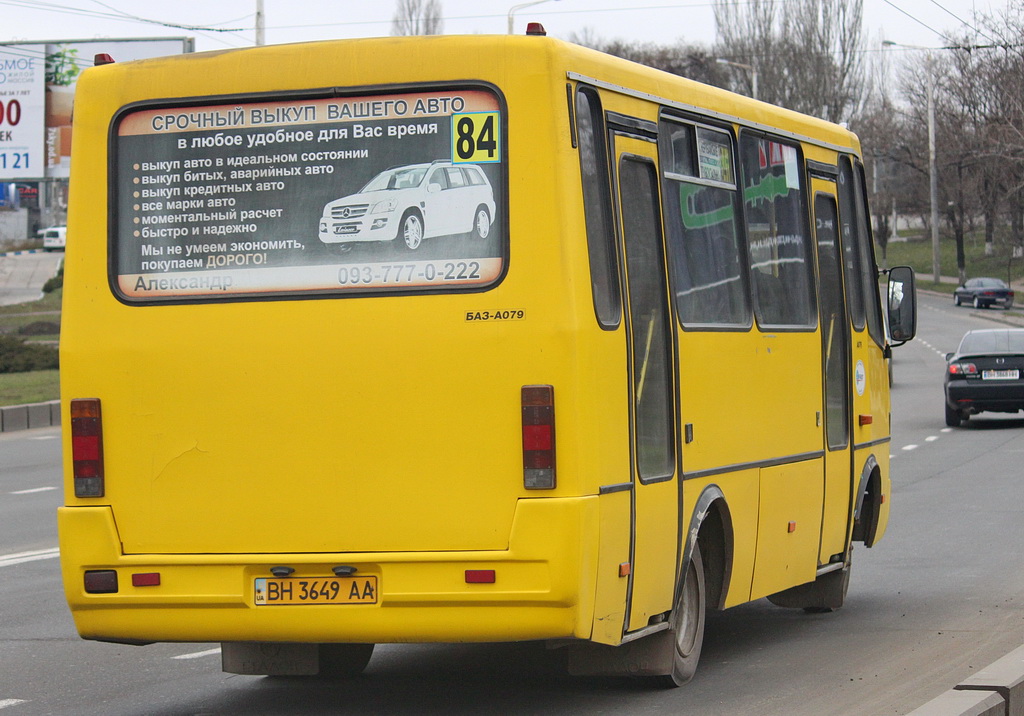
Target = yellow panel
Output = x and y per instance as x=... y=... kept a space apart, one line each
x=742 y=495
x=543 y=587
x=610 y=602
x=655 y=551
x=774 y=377
x=789 y=523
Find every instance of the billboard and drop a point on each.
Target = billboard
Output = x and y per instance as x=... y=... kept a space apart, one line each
x=37 y=87
x=22 y=129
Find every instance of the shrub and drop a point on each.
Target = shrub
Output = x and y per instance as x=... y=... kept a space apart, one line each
x=16 y=356
x=56 y=282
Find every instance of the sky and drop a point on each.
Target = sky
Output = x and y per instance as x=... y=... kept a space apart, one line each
x=913 y=22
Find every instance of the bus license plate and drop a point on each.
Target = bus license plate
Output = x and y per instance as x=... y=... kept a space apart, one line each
x=1000 y=374
x=318 y=590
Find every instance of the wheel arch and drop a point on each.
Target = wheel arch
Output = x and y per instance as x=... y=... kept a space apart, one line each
x=869 y=503
x=711 y=525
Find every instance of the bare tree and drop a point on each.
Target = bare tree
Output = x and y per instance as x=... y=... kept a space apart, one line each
x=809 y=54
x=691 y=61
x=417 y=17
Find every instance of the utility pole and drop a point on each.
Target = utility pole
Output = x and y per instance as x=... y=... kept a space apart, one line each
x=260 y=24
x=933 y=178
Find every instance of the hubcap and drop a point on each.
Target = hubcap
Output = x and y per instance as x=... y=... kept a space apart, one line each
x=413 y=232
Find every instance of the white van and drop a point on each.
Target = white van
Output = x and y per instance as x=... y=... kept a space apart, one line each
x=54 y=238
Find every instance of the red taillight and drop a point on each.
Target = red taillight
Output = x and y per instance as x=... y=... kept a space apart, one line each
x=87 y=447
x=963 y=369
x=538 y=407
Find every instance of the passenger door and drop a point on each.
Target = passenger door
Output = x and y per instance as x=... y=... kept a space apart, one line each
x=835 y=346
x=652 y=369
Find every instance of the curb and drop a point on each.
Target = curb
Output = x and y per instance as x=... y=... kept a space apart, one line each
x=26 y=417
x=19 y=253
x=996 y=690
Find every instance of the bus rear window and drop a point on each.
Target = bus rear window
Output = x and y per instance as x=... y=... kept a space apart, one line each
x=264 y=197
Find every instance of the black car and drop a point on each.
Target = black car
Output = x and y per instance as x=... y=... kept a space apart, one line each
x=985 y=374
x=984 y=292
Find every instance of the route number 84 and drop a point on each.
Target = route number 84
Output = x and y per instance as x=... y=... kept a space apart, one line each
x=475 y=137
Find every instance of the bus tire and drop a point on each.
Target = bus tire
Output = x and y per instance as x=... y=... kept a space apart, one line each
x=481 y=223
x=410 y=230
x=339 y=661
x=688 y=622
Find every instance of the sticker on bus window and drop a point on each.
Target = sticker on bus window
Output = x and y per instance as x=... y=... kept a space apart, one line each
x=714 y=153
x=337 y=195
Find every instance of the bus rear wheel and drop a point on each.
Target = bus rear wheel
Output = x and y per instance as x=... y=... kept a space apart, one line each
x=688 y=622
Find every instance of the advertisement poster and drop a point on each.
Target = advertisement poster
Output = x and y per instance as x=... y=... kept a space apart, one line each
x=343 y=194
x=64 y=62
x=22 y=101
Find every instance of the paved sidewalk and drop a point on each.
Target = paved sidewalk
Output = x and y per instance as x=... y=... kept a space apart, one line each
x=23 y=273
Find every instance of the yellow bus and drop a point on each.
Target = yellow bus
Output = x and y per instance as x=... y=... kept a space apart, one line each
x=461 y=339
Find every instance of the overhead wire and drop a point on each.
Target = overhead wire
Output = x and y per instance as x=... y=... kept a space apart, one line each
x=918 y=21
x=120 y=16
x=962 y=21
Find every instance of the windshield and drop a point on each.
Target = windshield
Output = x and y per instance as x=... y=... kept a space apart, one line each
x=403 y=178
x=978 y=342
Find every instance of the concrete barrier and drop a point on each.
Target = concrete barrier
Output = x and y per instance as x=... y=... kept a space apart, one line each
x=35 y=415
x=1005 y=677
x=996 y=690
x=963 y=703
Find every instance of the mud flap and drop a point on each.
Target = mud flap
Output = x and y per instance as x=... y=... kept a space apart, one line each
x=650 y=656
x=825 y=593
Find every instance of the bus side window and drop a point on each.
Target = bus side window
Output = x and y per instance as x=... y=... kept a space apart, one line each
x=706 y=251
x=777 y=231
x=593 y=150
x=865 y=247
x=852 y=237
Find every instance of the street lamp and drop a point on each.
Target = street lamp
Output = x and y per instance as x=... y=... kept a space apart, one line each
x=749 y=68
x=512 y=11
x=933 y=177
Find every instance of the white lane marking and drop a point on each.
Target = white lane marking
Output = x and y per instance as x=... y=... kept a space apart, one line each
x=9 y=560
x=946 y=430
x=4 y=703
x=198 y=654
x=34 y=489
x=910 y=447
x=931 y=438
x=932 y=348
x=46 y=437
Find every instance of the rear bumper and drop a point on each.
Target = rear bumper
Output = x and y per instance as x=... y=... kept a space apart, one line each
x=543 y=588
x=979 y=396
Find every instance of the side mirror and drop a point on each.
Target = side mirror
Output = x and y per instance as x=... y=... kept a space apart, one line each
x=949 y=356
x=902 y=305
